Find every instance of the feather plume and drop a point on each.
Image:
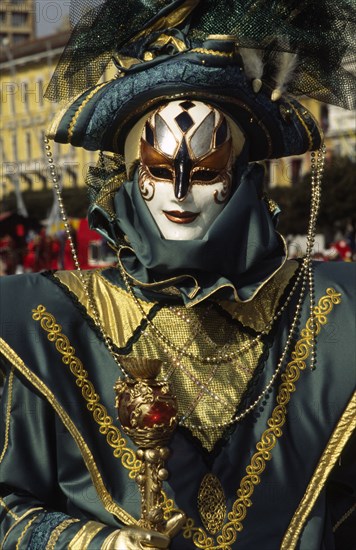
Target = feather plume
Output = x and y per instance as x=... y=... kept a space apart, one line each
x=286 y=63
x=253 y=62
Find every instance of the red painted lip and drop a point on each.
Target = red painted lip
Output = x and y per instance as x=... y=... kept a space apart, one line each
x=177 y=216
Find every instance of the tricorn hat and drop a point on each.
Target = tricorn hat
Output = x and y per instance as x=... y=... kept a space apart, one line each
x=164 y=53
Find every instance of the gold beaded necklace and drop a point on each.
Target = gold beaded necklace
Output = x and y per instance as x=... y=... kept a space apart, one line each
x=165 y=341
x=306 y=276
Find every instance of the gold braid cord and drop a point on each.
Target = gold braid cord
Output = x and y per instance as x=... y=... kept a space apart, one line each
x=56 y=533
x=99 y=412
x=74 y=120
x=26 y=528
x=268 y=441
x=8 y=414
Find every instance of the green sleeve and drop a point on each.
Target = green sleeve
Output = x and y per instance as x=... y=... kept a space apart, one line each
x=32 y=508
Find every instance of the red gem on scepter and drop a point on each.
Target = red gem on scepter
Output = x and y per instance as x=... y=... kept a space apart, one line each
x=160 y=413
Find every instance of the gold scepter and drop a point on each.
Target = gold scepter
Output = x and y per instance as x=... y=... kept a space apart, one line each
x=147 y=410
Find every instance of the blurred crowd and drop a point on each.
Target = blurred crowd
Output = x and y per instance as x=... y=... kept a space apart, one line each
x=39 y=252
x=29 y=250
x=340 y=250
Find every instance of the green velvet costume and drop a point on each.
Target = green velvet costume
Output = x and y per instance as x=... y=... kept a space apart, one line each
x=263 y=458
x=63 y=458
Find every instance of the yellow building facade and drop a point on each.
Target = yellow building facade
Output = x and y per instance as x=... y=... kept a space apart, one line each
x=17 y=21
x=25 y=115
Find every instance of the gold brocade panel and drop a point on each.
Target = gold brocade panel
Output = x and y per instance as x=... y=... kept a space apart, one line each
x=118 y=315
x=208 y=392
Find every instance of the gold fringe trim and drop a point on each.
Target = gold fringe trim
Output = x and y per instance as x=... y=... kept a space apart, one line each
x=8 y=414
x=337 y=442
x=97 y=480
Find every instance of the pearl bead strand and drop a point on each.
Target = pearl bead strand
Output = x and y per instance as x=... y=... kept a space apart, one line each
x=305 y=276
x=92 y=305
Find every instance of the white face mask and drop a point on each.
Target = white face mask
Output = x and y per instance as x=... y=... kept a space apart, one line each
x=185 y=168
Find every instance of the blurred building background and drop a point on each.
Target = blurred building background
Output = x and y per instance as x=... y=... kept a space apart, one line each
x=27 y=61
x=17 y=20
x=26 y=68
x=339 y=130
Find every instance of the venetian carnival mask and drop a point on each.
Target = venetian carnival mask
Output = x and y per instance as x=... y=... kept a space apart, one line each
x=185 y=172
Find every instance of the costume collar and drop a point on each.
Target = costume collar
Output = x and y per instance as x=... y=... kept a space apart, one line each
x=107 y=283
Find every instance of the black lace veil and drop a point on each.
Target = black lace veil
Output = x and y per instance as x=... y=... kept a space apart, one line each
x=321 y=32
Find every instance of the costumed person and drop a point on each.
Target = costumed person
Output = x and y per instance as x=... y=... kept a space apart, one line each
x=235 y=361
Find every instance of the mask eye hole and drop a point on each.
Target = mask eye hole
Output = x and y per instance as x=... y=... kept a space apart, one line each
x=204 y=175
x=160 y=172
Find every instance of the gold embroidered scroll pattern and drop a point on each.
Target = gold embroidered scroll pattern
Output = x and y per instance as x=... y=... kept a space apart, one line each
x=269 y=437
x=211 y=503
x=99 y=412
x=268 y=440
x=90 y=464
